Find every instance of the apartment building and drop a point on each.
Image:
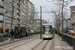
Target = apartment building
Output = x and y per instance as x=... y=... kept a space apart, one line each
x=30 y=16
x=1 y=13
x=66 y=24
x=72 y=16
x=20 y=13
x=6 y=14
x=23 y=13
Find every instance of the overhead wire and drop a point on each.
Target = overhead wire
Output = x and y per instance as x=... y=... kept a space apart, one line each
x=45 y=7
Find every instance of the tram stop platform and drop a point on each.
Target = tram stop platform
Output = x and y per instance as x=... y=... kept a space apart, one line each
x=58 y=44
x=15 y=40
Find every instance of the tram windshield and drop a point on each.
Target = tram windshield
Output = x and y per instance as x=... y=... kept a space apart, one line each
x=46 y=29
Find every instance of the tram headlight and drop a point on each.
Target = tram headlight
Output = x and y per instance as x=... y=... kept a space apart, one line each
x=46 y=35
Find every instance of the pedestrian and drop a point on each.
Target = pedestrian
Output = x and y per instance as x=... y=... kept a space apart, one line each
x=12 y=35
x=19 y=32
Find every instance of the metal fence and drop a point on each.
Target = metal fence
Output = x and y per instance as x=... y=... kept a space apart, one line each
x=70 y=39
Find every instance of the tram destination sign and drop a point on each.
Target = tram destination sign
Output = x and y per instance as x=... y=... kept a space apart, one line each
x=46 y=26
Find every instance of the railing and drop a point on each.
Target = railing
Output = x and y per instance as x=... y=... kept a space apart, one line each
x=70 y=39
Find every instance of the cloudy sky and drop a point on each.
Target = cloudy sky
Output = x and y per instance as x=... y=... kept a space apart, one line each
x=47 y=6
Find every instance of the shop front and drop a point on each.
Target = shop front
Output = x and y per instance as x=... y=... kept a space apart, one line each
x=22 y=30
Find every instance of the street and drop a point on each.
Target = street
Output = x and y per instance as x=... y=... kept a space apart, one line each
x=35 y=43
x=37 y=25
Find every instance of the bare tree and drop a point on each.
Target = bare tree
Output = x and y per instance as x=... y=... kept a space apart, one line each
x=36 y=16
x=57 y=13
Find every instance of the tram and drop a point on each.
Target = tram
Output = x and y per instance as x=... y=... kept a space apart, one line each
x=47 y=31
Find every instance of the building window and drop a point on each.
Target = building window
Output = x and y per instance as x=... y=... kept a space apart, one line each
x=1 y=25
x=1 y=10
x=15 y=9
x=7 y=18
x=1 y=0
x=1 y=17
x=21 y=22
x=17 y=16
x=7 y=24
x=14 y=25
x=9 y=12
x=8 y=5
x=22 y=13
x=14 y=20
x=10 y=0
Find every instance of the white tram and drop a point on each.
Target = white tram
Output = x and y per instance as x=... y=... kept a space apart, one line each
x=47 y=31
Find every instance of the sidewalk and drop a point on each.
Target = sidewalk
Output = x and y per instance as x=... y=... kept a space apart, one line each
x=64 y=44
x=15 y=40
x=58 y=44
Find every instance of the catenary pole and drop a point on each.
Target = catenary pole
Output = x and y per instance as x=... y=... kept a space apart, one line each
x=40 y=22
x=62 y=17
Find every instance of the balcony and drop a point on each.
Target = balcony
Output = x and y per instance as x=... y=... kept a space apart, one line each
x=1 y=4
x=18 y=19
x=17 y=1
x=73 y=21
x=18 y=8
x=18 y=4
x=18 y=23
x=18 y=14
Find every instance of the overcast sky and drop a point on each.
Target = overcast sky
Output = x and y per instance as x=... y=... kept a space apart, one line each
x=49 y=6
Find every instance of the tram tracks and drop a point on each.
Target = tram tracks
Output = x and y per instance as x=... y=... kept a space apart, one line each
x=42 y=45
x=39 y=45
x=17 y=44
x=45 y=45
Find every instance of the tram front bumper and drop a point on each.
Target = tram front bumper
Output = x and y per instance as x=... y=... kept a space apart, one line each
x=47 y=36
